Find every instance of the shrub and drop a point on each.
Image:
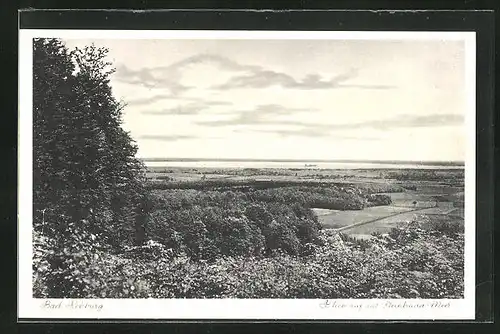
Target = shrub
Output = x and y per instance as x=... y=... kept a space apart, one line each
x=428 y=264
x=441 y=223
x=378 y=199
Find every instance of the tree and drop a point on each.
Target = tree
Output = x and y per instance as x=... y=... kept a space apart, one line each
x=52 y=81
x=84 y=162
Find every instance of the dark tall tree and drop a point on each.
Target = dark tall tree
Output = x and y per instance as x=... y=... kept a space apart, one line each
x=85 y=170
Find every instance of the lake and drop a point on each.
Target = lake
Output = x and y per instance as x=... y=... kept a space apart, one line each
x=296 y=164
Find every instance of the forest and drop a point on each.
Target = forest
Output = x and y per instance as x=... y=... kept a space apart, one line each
x=102 y=228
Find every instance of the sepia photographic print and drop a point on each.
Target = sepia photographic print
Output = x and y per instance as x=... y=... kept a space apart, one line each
x=247 y=175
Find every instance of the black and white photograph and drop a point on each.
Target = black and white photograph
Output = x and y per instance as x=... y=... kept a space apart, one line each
x=245 y=174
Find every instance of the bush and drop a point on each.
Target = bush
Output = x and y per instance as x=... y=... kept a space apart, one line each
x=407 y=263
x=378 y=199
x=441 y=223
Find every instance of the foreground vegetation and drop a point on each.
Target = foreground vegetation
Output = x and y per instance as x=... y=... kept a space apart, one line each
x=100 y=230
x=410 y=262
x=265 y=243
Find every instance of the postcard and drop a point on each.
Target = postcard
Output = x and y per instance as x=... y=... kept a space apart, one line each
x=204 y=174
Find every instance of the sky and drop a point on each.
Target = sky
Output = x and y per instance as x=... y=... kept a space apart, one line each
x=292 y=99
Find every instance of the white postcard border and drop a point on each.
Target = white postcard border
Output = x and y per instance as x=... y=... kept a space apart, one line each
x=310 y=309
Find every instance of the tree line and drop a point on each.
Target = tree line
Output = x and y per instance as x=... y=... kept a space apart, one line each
x=84 y=165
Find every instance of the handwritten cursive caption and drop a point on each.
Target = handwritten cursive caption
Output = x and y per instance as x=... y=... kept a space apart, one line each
x=71 y=305
x=333 y=304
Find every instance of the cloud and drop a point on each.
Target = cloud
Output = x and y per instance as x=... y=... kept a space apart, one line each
x=260 y=115
x=167 y=137
x=263 y=78
x=220 y=62
x=192 y=108
x=319 y=130
x=160 y=97
x=308 y=132
x=381 y=87
x=170 y=77
x=241 y=76
x=436 y=120
x=247 y=118
x=406 y=121
x=178 y=137
x=259 y=79
x=148 y=78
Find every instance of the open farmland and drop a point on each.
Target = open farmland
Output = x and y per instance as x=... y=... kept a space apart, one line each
x=336 y=218
x=413 y=193
x=385 y=225
x=270 y=233
x=431 y=200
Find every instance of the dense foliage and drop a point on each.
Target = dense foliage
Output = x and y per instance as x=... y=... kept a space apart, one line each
x=253 y=229
x=84 y=162
x=455 y=177
x=207 y=224
x=335 y=197
x=165 y=182
x=88 y=185
x=409 y=262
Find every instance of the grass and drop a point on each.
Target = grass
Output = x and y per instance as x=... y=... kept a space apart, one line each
x=337 y=219
x=459 y=212
x=384 y=225
x=432 y=215
x=438 y=201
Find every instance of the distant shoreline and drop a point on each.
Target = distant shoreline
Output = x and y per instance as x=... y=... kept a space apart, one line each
x=387 y=162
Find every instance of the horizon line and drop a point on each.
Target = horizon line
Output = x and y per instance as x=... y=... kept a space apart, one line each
x=419 y=162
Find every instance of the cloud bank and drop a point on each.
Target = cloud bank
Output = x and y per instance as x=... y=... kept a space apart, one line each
x=192 y=108
x=241 y=76
x=264 y=78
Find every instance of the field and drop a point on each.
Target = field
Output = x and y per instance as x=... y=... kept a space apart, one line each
x=336 y=219
x=437 y=195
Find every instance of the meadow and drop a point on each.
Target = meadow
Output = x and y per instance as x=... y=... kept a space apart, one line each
x=430 y=193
